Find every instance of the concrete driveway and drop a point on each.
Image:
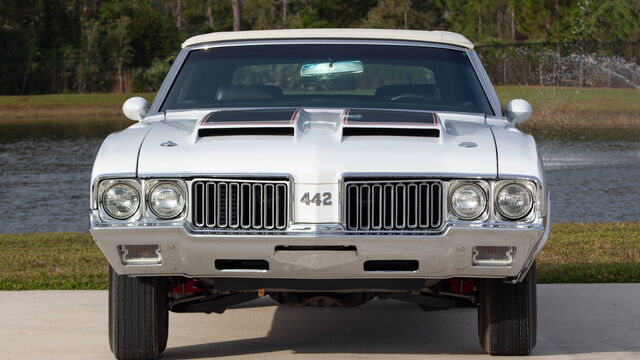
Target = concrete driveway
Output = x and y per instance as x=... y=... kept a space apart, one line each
x=575 y=322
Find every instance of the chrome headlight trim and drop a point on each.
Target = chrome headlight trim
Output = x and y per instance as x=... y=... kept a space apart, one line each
x=480 y=185
x=104 y=186
x=151 y=185
x=529 y=186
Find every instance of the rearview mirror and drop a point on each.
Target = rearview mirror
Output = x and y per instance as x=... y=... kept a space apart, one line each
x=332 y=68
x=135 y=108
x=518 y=111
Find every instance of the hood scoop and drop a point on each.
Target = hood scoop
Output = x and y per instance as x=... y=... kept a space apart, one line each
x=365 y=122
x=261 y=122
x=379 y=131
x=300 y=122
x=249 y=131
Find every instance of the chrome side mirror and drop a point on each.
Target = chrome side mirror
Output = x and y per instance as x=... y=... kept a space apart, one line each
x=135 y=108
x=518 y=111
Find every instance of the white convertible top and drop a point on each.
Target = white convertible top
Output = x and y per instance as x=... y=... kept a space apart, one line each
x=442 y=37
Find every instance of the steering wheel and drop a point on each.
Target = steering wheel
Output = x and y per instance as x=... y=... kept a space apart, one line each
x=409 y=96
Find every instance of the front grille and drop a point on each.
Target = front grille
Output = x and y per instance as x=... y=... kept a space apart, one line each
x=405 y=205
x=240 y=204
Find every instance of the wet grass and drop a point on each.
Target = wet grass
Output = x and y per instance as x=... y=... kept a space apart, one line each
x=575 y=253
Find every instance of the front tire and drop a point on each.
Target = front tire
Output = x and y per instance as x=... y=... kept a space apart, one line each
x=138 y=316
x=507 y=315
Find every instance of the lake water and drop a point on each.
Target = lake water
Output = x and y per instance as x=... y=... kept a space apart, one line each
x=46 y=168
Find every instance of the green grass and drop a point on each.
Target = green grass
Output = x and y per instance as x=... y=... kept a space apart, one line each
x=564 y=107
x=589 y=253
x=64 y=105
x=575 y=253
x=579 y=112
x=574 y=98
x=51 y=261
x=70 y=99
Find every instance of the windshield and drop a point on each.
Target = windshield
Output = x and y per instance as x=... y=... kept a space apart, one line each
x=328 y=75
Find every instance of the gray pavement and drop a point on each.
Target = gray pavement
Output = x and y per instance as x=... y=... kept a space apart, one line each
x=575 y=322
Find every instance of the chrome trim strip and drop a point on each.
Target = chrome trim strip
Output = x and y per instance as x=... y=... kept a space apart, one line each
x=486 y=84
x=421 y=175
x=167 y=82
x=327 y=41
x=315 y=230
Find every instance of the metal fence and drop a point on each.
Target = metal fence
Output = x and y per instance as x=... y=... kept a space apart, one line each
x=563 y=64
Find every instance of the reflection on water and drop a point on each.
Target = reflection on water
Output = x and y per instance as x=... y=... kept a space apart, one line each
x=593 y=181
x=46 y=168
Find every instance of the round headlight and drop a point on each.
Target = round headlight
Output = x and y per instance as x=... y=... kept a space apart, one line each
x=468 y=201
x=120 y=201
x=166 y=200
x=514 y=201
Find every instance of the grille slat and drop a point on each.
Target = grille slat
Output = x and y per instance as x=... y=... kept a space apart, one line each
x=268 y=207
x=240 y=204
x=281 y=206
x=209 y=197
x=393 y=205
x=199 y=201
x=376 y=207
x=245 y=195
x=436 y=205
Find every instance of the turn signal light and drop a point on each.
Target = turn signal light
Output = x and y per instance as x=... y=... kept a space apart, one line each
x=493 y=255
x=140 y=254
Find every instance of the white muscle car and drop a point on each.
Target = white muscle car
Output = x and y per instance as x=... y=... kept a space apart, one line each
x=321 y=168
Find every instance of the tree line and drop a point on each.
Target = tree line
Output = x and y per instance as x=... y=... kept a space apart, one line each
x=127 y=45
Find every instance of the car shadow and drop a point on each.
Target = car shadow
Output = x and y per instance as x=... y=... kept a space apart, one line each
x=379 y=327
x=572 y=319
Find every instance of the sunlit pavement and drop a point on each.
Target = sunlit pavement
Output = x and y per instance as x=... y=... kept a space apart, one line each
x=582 y=321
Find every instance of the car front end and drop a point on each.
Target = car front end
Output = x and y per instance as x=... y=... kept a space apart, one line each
x=322 y=168
x=429 y=241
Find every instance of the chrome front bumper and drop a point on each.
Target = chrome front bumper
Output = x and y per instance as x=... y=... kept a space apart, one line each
x=191 y=253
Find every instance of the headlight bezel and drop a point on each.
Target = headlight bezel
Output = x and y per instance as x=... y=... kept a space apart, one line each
x=484 y=188
x=102 y=209
x=151 y=185
x=529 y=185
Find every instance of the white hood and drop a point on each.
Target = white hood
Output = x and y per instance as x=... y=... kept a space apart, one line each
x=318 y=153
